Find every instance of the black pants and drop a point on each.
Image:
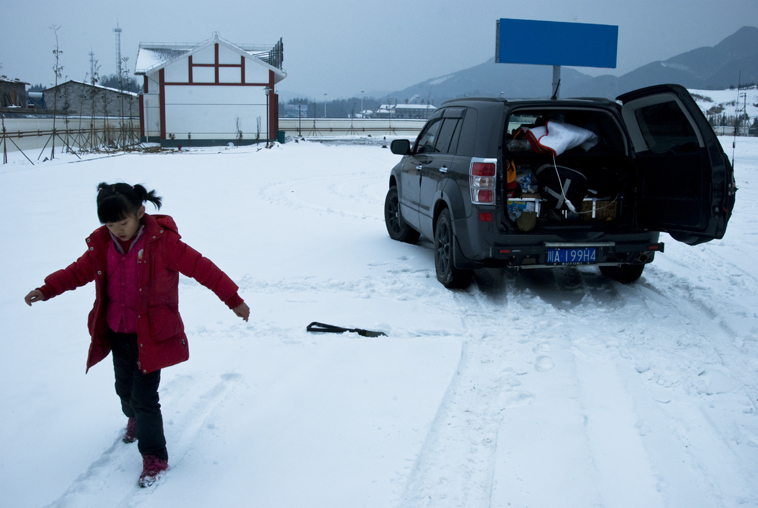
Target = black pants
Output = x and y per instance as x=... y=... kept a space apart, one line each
x=139 y=394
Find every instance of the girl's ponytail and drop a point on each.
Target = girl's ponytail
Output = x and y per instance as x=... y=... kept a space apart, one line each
x=118 y=201
x=144 y=195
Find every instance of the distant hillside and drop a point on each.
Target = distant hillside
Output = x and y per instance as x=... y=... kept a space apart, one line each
x=706 y=68
x=722 y=106
x=491 y=79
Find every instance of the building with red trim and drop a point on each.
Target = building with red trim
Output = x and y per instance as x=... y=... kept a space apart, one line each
x=210 y=93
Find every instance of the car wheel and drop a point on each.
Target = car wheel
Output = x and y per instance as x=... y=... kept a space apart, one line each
x=396 y=226
x=444 y=243
x=625 y=274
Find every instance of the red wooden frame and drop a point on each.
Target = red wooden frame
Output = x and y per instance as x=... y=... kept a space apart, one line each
x=273 y=105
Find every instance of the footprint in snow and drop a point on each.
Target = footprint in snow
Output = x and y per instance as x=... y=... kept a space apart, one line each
x=544 y=364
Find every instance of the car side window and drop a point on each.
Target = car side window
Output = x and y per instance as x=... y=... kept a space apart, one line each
x=665 y=126
x=446 y=136
x=456 y=136
x=428 y=137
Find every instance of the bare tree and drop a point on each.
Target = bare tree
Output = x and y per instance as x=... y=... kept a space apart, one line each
x=124 y=88
x=106 y=132
x=66 y=106
x=82 y=98
x=58 y=69
x=238 y=128
x=93 y=95
x=121 y=80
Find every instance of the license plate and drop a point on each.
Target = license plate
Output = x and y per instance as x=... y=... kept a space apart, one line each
x=581 y=256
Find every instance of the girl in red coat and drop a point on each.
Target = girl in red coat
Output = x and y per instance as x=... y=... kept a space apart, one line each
x=135 y=260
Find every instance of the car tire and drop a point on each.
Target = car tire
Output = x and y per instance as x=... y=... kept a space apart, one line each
x=444 y=244
x=625 y=274
x=396 y=226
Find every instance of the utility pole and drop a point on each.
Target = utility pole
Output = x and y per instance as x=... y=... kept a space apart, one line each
x=299 y=112
x=266 y=90
x=118 y=52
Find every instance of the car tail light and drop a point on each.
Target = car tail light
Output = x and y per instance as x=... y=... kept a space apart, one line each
x=482 y=175
x=483 y=168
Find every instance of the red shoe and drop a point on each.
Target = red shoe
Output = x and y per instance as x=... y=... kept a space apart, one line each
x=152 y=467
x=131 y=431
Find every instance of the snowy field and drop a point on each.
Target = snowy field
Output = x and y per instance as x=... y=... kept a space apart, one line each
x=728 y=100
x=529 y=389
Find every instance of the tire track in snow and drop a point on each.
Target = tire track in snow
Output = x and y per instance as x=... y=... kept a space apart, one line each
x=456 y=464
x=597 y=324
x=624 y=453
x=687 y=362
x=710 y=382
x=722 y=337
x=333 y=194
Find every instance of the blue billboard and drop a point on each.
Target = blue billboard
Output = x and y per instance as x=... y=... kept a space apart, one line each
x=521 y=41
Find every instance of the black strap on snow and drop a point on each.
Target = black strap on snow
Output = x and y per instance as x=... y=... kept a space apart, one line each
x=323 y=328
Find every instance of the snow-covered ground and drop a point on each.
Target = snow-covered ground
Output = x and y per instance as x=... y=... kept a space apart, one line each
x=532 y=388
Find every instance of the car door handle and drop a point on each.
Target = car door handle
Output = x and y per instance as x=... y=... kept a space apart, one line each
x=443 y=169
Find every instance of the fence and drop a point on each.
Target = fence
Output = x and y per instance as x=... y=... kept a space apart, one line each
x=329 y=127
x=83 y=133
x=728 y=130
x=86 y=133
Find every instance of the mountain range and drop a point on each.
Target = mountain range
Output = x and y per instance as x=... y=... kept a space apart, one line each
x=707 y=68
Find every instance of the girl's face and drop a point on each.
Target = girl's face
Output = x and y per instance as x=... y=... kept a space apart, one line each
x=125 y=229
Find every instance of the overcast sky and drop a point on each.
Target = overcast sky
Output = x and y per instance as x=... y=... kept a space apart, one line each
x=341 y=47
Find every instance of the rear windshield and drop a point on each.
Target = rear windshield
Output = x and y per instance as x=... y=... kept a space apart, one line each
x=610 y=136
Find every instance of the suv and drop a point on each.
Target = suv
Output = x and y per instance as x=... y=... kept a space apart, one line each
x=547 y=183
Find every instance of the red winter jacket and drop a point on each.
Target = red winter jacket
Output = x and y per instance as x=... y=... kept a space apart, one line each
x=160 y=331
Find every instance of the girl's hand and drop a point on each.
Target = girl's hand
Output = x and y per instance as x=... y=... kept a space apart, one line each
x=37 y=296
x=242 y=310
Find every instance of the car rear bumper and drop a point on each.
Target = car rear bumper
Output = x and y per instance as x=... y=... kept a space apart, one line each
x=606 y=253
x=487 y=247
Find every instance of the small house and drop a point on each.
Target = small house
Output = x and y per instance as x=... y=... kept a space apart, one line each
x=209 y=93
x=80 y=98
x=12 y=93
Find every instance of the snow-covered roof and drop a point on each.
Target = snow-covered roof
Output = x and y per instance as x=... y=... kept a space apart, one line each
x=96 y=86
x=406 y=106
x=153 y=56
x=16 y=81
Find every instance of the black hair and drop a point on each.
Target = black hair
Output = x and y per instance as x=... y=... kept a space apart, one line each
x=119 y=201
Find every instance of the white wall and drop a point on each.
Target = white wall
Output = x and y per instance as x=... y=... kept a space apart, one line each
x=211 y=112
x=206 y=55
x=227 y=56
x=152 y=83
x=152 y=114
x=178 y=71
x=255 y=73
